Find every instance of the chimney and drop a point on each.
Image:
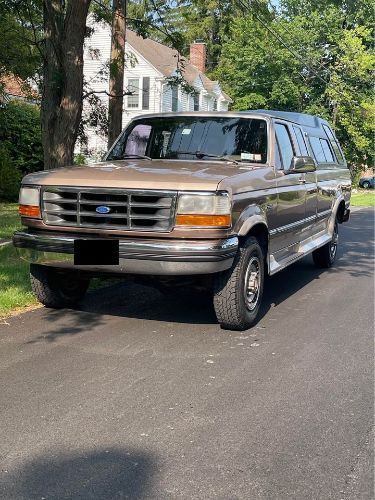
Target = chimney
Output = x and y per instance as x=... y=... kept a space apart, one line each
x=198 y=55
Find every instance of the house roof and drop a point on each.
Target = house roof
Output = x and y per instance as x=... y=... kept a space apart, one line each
x=165 y=60
x=16 y=87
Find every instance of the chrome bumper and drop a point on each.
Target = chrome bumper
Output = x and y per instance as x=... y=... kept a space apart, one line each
x=154 y=257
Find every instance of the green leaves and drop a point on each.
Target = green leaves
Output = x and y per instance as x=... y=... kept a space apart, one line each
x=324 y=66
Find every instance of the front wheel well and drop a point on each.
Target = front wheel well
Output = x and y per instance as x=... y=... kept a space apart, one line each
x=340 y=213
x=260 y=232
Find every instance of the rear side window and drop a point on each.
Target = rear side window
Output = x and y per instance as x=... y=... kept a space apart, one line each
x=285 y=145
x=334 y=143
x=301 y=141
x=321 y=149
x=327 y=151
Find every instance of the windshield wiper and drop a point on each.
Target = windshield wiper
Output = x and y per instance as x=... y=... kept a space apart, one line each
x=201 y=155
x=130 y=155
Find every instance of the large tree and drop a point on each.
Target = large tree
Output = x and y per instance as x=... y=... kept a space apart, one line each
x=64 y=32
x=311 y=57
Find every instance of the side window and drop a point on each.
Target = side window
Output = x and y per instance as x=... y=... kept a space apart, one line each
x=327 y=151
x=301 y=141
x=317 y=149
x=334 y=143
x=285 y=145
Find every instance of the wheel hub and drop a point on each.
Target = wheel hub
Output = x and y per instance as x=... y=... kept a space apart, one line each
x=252 y=283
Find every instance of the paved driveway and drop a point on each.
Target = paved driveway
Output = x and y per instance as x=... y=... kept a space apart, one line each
x=139 y=396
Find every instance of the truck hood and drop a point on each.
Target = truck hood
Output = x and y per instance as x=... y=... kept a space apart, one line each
x=140 y=174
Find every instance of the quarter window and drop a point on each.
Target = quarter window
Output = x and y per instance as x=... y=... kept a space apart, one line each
x=133 y=87
x=334 y=144
x=301 y=141
x=285 y=145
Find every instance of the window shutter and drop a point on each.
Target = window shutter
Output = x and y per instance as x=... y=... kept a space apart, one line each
x=146 y=92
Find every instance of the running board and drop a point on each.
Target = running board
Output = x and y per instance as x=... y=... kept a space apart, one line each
x=300 y=250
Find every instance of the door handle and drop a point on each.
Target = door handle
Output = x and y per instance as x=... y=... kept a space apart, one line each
x=302 y=180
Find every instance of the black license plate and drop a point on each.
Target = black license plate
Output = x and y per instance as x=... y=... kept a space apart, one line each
x=96 y=252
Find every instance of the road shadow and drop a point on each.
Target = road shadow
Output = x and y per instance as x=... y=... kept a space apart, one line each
x=104 y=474
x=130 y=300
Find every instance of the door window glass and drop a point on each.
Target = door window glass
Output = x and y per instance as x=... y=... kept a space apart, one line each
x=301 y=141
x=285 y=144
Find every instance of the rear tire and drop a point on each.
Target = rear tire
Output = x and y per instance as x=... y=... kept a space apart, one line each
x=325 y=256
x=238 y=291
x=55 y=288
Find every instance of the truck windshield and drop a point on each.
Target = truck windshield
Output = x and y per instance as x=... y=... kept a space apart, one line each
x=194 y=138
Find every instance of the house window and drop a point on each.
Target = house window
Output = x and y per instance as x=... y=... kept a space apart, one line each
x=174 y=98
x=146 y=92
x=214 y=105
x=133 y=86
x=196 y=101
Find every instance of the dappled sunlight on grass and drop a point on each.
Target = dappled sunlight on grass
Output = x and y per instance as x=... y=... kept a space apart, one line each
x=9 y=219
x=15 y=289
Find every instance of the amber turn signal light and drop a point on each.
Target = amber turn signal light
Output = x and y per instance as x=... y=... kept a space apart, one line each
x=29 y=211
x=203 y=220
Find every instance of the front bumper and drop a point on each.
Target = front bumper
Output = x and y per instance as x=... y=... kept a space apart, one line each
x=137 y=256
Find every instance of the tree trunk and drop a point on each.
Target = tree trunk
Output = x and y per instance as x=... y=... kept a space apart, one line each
x=116 y=71
x=65 y=29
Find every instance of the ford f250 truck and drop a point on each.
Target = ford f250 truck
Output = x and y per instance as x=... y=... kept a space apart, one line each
x=223 y=197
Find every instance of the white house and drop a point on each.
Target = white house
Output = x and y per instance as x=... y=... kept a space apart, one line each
x=149 y=65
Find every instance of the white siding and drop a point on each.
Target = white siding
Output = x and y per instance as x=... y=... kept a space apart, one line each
x=96 y=74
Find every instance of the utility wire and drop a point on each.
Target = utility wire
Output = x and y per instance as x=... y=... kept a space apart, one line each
x=296 y=55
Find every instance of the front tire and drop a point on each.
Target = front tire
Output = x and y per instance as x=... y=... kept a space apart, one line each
x=238 y=291
x=55 y=288
x=366 y=185
x=325 y=256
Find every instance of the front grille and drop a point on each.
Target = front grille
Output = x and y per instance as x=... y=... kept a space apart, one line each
x=128 y=209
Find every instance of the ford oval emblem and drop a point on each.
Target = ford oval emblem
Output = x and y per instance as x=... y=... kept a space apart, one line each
x=102 y=210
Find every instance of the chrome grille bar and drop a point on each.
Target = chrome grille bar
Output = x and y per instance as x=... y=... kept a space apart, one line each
x=127 y=209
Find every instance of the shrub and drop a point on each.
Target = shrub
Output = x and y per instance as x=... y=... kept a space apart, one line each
x=10 y=176
x=20 y=133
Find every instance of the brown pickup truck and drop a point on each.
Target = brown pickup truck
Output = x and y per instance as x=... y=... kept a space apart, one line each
x=221 y=197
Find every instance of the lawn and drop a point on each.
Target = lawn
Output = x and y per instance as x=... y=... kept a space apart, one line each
x=9 y=220
x=363 y=199
x=15 y=290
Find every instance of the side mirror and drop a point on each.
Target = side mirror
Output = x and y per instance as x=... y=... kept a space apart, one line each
x=301 y=164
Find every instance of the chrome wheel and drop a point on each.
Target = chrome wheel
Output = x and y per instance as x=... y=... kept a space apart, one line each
x=334 y=242
x=252 y=283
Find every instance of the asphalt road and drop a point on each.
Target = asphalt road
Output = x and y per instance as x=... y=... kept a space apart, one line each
x=139 y=396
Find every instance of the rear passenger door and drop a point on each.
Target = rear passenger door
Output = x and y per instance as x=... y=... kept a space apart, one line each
x=326 y=174
x=291 y=189
x=310 y=178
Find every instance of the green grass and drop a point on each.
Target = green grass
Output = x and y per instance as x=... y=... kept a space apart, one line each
x=363 y=199
x=15 y=289
x=9 y=219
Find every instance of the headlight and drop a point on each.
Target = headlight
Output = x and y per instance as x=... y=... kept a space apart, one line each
x=204 y=210
x=29 y=201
